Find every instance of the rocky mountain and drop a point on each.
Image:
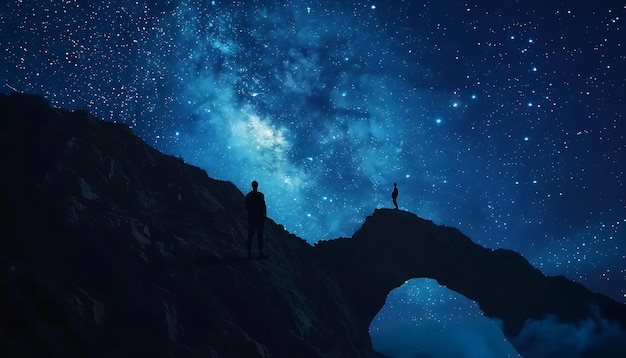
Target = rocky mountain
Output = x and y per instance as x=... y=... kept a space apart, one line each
x=112 y=249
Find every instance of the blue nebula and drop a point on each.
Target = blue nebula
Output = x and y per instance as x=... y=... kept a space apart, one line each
x=327 y=104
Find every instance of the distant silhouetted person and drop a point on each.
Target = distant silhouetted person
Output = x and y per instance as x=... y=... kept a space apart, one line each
x=394 y=195
x=255 y=204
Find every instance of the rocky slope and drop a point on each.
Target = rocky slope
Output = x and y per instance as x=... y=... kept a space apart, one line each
x=112 y=249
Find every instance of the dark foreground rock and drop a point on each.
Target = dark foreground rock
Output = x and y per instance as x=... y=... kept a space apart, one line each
x=112 y=249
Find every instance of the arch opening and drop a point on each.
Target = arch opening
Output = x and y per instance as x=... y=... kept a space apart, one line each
x=424 y=319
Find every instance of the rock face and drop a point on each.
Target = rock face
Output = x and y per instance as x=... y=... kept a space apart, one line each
x=394 y=246
x=112 y=249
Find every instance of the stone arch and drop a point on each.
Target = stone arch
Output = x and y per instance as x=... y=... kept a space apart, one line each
x=423 y=318
x=394 y=246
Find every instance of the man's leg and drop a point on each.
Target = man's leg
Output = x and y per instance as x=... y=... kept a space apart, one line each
x=260 y=227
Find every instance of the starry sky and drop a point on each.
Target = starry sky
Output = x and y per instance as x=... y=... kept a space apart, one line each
x=503 y=119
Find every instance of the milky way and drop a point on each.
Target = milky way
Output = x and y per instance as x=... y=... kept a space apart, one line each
x=505 y=121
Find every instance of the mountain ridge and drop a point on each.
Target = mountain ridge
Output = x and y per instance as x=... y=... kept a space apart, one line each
x=424 y=249
x=115 y=249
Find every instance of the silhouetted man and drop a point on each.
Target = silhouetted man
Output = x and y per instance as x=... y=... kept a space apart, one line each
x=394 y=195
x=255 y=204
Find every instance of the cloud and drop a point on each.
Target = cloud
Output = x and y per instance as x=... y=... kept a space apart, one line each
x=550 y=338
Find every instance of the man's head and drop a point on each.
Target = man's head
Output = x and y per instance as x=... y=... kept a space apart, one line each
x=395 y=184
x=255 y=184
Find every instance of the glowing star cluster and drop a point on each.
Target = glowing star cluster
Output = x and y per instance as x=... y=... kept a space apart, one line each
x=504 y=121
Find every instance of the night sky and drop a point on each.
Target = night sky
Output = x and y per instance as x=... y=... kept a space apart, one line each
x=501 y=118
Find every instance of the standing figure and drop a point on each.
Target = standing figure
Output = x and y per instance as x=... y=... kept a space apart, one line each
x=394 y=195
x=255 y=204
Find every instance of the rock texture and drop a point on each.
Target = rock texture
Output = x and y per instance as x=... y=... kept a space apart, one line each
x=112 y=249
x=395 y=246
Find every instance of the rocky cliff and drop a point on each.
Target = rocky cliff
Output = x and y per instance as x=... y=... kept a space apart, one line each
x=112 y=249
x=394 y=246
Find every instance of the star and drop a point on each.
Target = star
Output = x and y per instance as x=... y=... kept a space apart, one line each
x=326 y=97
